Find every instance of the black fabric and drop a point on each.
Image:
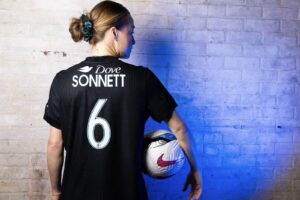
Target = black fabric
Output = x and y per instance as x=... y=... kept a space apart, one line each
x=104 y=103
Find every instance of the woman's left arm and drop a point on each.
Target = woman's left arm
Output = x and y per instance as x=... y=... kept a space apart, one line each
x=186 y=142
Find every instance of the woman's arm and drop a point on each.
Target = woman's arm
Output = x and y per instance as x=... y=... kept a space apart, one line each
x=187 y=144
x=55 y=155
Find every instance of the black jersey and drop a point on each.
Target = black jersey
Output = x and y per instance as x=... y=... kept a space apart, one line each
x=101 y=106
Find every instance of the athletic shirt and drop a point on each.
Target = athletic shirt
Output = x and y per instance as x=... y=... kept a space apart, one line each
x=101 y=105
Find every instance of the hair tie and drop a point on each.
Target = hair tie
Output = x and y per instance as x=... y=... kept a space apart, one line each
x=87 y=27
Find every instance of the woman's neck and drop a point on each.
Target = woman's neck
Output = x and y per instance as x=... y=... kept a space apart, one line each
x=101 y=49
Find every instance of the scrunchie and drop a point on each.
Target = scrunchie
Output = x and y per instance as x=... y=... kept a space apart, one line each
x=87 y=28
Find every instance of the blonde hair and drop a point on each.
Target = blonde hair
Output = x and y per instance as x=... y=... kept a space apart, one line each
x=103 y=16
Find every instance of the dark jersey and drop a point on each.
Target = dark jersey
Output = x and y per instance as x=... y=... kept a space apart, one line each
x=101 y=106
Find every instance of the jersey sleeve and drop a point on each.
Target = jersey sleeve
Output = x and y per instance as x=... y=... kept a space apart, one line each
x=160 y=103
x=52 y=114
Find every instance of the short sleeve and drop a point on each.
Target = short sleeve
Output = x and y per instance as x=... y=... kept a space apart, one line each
x=52 y=110
x=160 y=102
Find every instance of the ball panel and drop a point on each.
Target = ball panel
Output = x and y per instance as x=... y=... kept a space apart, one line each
x=163 y=156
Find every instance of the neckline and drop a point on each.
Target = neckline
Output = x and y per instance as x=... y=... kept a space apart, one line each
x=107 y=58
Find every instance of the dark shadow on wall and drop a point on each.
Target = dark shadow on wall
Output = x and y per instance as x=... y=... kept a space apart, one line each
x=228 y=173
x=164 y=58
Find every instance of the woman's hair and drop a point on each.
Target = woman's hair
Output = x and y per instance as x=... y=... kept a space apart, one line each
x=103 y=16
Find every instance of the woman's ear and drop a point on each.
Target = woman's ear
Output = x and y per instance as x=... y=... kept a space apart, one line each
x=115 y=33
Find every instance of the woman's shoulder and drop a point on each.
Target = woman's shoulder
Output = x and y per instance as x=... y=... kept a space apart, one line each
x=140 y=68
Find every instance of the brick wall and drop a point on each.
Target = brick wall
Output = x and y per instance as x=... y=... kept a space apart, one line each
x=232 y=66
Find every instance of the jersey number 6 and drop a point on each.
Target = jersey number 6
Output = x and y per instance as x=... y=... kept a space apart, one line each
x=95 y=120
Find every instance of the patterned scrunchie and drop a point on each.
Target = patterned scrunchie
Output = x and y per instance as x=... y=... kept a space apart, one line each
x=87 y=28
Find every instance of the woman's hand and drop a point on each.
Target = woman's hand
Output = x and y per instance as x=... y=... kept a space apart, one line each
x=55 y=196
x=193 y=178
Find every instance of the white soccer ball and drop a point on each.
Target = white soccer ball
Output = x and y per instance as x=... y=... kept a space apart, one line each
x=163 y=156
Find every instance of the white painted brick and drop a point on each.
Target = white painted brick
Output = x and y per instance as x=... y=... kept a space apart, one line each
x=243 y=37
x=152 y=21
x=226 y=75
x=185 y=87
x=260 y=50
x=280 y=39
x=288 y=100
x=193 y=74
x=36 y=17
x=195 y=63
x=221 y=2
x=290 y=76
x=262 y=25
x=215 y=36
x=197 y=10
x=262 y=100
x=279 y=63
x=212 y=87
x=38 y=161
x=211 y=150
x=135 y=7
x=159 y=35
x=278 y=89
x=241 y=63
x=196 y=36
x=168 y=9
x=22 y=196
x=186 y=23
x=224 y=24
x=241 y=68
x=241 y=88
x=283 y=149
x=196 y=1
x=290 y=3
x=16 y=5
x=13 y=185
x=215 y=62
x=290 y=51
x=259 y=75
x=277 y=112
x=290 y=26
x=15 y=133
x=290 y=122
x=241 y=112
x=210 y=99
x=205 y=36
x=220 y=123
x=23 y=45
x=244 y=11
x=38 y=173
x=40 y=186
x=177 y=48
x=280 y=13
x=216 y=11
x=212 y=138
x=14 y=30
x=270 y=3
x=211 y=111
x=257 y=149
x=224 y=49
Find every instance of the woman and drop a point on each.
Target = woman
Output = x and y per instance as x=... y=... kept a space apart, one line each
x=97 y=110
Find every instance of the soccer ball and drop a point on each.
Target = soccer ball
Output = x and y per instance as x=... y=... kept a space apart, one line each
x=162 y=156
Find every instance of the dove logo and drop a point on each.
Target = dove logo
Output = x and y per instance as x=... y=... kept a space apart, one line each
x=85 y=69
x=103 y=77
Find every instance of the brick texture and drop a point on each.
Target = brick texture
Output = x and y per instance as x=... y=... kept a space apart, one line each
x=238 y=90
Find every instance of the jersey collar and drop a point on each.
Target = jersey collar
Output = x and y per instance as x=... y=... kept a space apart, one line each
x=101 y=59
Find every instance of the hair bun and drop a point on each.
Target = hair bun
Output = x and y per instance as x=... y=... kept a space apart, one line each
x=75 y=29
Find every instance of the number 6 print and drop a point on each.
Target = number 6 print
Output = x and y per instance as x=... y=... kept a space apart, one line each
x=95 y=120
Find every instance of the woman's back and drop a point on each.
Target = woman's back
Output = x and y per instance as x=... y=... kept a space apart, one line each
x=101 y=105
